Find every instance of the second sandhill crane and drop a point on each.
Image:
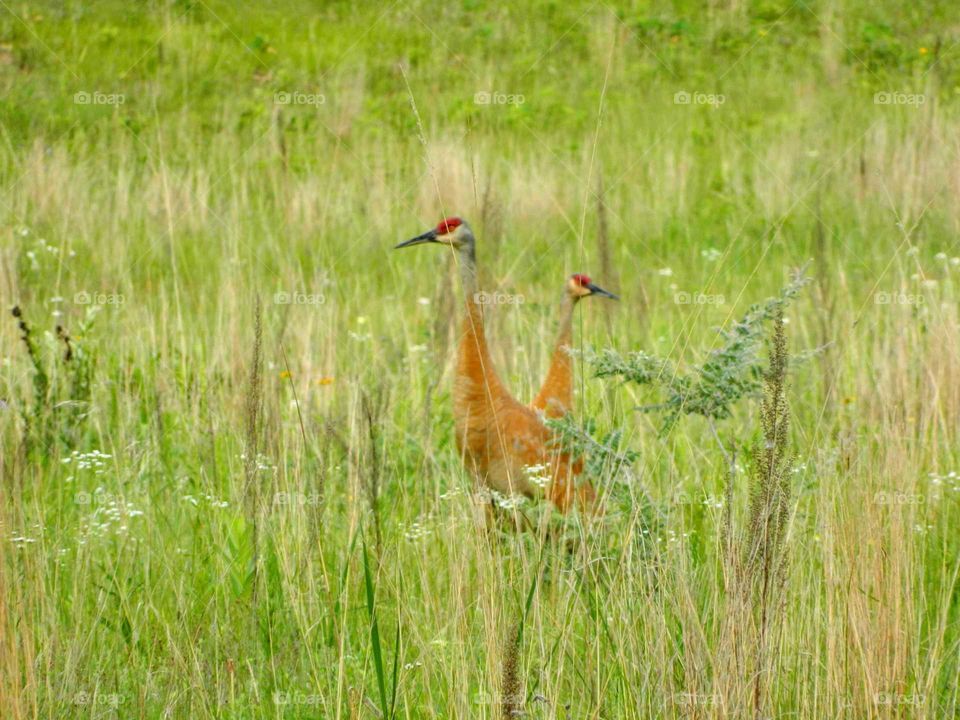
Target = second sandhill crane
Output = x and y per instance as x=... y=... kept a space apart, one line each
x=555 y=398
x=498 y=437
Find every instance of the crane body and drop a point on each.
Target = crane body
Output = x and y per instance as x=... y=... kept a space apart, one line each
x=498 y=437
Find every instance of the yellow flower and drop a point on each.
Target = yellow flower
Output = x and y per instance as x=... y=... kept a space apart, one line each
x=325 y=381
x=923 y=51
x=848 y=400
x=285 y=375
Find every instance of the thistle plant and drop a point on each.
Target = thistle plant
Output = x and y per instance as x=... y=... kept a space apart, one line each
x=729 y=374
x=711 y=389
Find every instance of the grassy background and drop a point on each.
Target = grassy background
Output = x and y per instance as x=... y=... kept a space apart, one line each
x=206 y=566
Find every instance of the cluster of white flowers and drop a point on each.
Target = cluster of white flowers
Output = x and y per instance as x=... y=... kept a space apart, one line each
x=94 y=460
x=485 y=496
x=714 y=501
x=941 y=257
x=417 y=355
x=451 y=493
x=507 y=502
x=711 y=254
x=673 y=537
x=537 y=474
x=42 y=247
x=951 y=478
x=111 y=517
x=210 y=499
x=262 y=462
x=416 y=531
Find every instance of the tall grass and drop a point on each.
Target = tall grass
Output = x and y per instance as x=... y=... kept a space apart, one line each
x=138 y=578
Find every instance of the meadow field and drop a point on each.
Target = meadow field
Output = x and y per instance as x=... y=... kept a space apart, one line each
x=229 y=486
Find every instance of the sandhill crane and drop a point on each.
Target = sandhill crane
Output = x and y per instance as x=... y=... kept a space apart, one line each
x=555 y=398
x=499 y=438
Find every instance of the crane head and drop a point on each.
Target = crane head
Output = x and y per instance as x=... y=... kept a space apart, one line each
x=451 y=231
x=580 y=286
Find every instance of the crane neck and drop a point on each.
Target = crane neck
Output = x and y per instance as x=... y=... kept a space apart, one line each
x=556 y=396
x=467 y=262
x=477 y=380
x=565 y=331
x=473 y=319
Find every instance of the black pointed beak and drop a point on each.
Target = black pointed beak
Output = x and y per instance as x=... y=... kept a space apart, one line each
x=429 y=236
x=597 y=290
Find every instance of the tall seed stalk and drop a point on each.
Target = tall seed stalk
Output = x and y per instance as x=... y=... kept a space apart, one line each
x=765 y=556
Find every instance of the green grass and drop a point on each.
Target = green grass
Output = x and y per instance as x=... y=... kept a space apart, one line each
x=283 y=528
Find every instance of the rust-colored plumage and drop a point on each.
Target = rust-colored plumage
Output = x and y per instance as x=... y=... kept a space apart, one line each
x=498 y=437
x=555 y=398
